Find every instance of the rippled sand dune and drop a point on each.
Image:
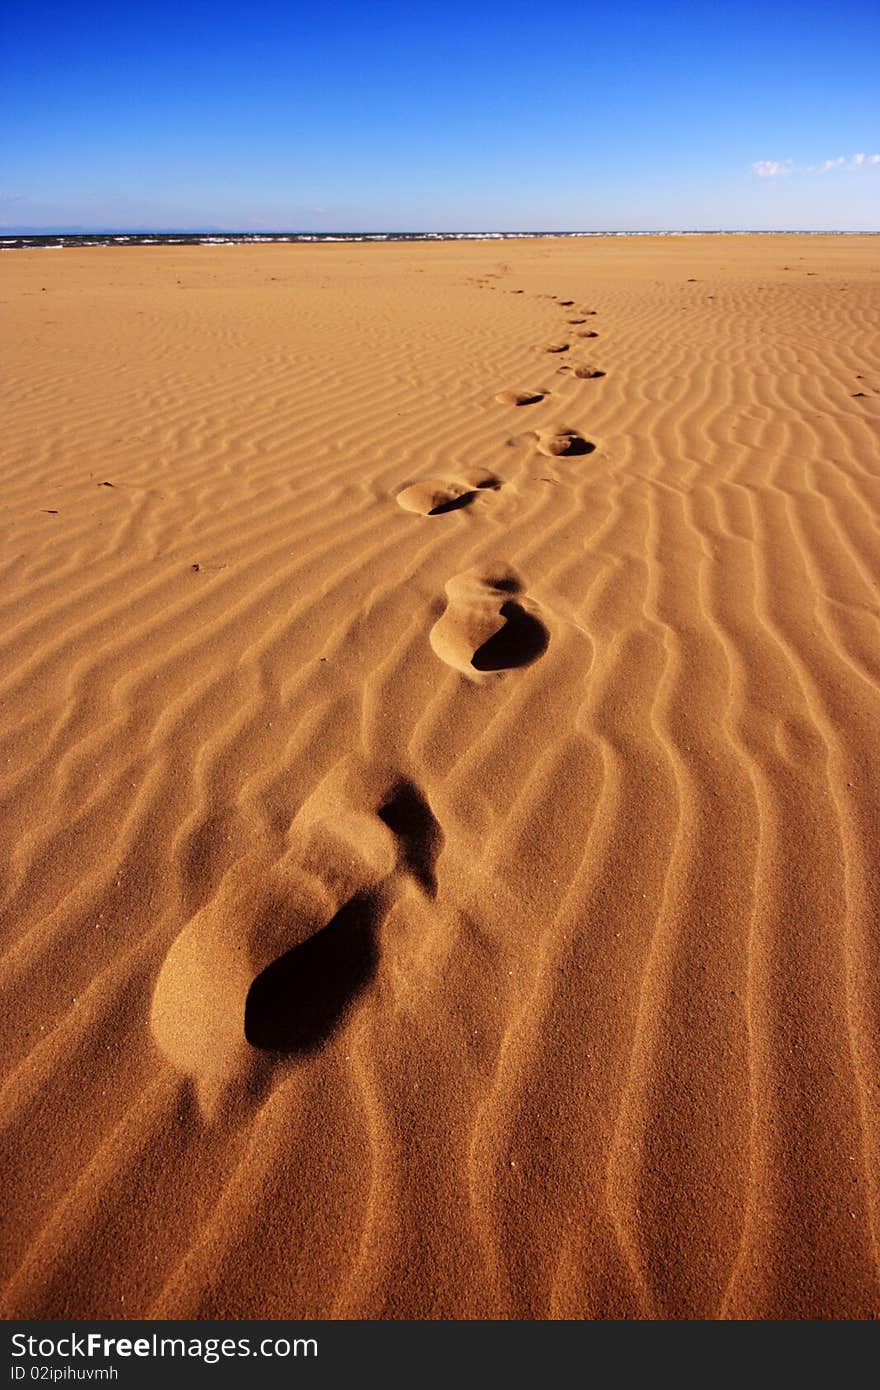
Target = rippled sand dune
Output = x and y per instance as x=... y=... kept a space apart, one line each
x=440 y=780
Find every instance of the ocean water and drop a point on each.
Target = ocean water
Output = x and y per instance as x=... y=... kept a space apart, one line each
x=56 y=241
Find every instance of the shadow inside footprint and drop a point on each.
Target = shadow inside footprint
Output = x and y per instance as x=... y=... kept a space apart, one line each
x=295 y=1004
x=464 y=500
x=519 y=642
x=564 y=444
x=579 y=446
x=410 y=818
x=519 y=398
x=436 y=496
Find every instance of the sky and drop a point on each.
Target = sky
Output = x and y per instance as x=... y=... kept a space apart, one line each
x=448 y=117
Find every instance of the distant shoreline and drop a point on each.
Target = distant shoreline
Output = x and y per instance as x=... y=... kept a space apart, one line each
x=20 y=241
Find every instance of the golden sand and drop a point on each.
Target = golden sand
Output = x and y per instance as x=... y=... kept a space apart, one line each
x=440 y=780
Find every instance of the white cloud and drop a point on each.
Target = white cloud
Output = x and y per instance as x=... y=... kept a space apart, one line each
x=773 y=168
x=769 y=168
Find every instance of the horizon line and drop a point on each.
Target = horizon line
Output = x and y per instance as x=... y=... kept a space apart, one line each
x=19 y=230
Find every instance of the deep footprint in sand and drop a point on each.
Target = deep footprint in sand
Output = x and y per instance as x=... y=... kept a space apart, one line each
x=588 y=333
x=520 y=397
x=436 y=496
x=556 y=347
x=562 y=442
x=584 y=371
x=486 y=629
x=298 y=1000
x=275 y=964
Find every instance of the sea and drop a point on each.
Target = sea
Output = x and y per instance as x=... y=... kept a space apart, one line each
x=52 y=241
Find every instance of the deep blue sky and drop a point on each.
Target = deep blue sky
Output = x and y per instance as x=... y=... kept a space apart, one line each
x=440 y=116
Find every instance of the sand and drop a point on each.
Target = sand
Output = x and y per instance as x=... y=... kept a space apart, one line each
x=440 y=780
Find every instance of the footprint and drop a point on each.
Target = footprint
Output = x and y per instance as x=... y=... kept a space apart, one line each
x=584 y=372
x=520 y=397
x=276 y=963
x=556 y=347
x=588 y=333
x=296 y=1003
x=565 y=303
x=485 y=629
x=419 y=837
x=575 y=320
x=435 y=496
x=562 y=442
